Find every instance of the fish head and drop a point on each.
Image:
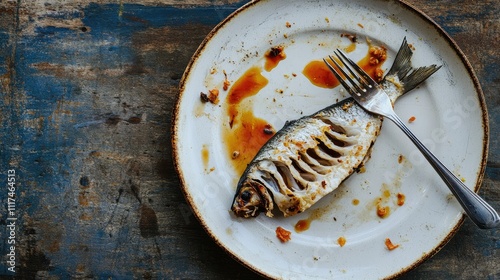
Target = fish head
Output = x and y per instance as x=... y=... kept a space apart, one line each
x=248 y=201
x=251 y=198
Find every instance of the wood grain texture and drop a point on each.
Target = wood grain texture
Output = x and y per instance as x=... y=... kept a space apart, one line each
x=87 y=91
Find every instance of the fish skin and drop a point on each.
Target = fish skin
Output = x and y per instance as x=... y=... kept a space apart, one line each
x=309 y=157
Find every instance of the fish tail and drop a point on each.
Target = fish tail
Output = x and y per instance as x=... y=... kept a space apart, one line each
x=407 y=75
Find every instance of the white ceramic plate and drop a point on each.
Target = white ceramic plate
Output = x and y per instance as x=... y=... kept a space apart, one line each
x=450 y=118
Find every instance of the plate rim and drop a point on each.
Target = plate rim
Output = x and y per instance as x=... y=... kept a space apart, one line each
x=409 y=7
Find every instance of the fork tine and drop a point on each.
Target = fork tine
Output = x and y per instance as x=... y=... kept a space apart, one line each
x=341 y=70
x=357 y=89
x=361 y=80
x=337 y=75
x=358 y=69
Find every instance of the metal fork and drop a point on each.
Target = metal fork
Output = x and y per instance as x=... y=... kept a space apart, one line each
x=372 y=97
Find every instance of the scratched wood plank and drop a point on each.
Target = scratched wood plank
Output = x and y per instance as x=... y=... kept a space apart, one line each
x=87 y=94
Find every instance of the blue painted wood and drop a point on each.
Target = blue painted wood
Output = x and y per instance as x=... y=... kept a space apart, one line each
x=76 y=128
x=87 y=91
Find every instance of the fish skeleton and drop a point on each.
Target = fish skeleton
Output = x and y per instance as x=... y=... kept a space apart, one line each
x=309 y=157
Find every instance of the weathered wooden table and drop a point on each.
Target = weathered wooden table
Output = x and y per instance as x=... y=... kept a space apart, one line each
x=87 y=91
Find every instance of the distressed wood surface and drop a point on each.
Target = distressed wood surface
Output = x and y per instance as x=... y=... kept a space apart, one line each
x=87 y=91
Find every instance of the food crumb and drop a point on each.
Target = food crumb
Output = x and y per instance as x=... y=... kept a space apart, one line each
x=327 y=20
x=203 y=97
x=401 y=199
x=389 y=245
x=377 y=56
x=412 y=119
x=351 y=37
x=268 y=129
x=346 y=106
x=235 y=154
x=341 y=241
x=283 y=234
x=401 y=158
x=273 y=57
x=379 y=74
x=360 y=25
x=288 y=24
x=213 y=96
x=378 y=53
x=226 y=85
x=383 y=211
x=276 y=52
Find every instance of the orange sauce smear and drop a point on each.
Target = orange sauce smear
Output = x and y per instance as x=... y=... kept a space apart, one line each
x=246 y=133
x=248 y=85
x=350 y=48
x=205 y=156
x=305 y=224
x=273 y=57
x=320 y=75
x=372 y=61
x=246 y=138
x=387 y=193
x=302 y=225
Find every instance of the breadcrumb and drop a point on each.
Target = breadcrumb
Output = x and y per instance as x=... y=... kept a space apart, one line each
x=283 y=234
x=389 y=245
x=212 y=96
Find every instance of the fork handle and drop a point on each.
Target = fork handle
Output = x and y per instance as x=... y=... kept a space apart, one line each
x=478 y=210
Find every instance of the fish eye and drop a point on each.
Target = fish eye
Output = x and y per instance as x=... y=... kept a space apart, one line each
x=245 y=196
